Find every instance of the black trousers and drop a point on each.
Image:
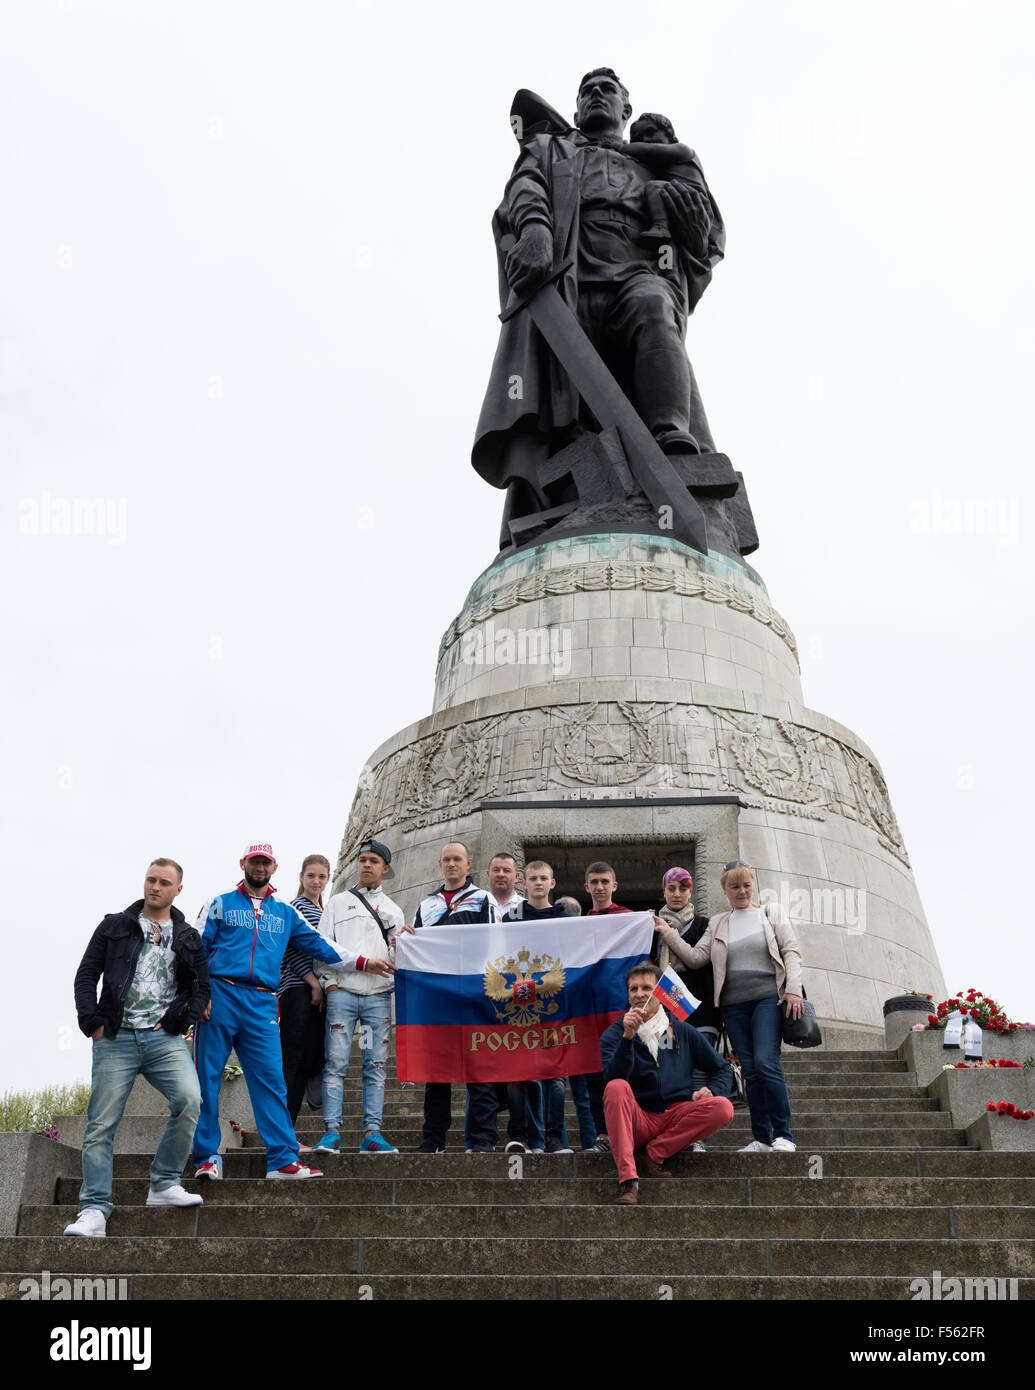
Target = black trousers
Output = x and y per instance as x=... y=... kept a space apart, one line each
x=481 y=1121
x=301 y=1043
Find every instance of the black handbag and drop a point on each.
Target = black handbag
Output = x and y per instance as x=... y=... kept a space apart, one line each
x=804 y=1031
x=725 y=1050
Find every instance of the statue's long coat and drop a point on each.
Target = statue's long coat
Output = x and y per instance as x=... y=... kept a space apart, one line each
x=529 y=398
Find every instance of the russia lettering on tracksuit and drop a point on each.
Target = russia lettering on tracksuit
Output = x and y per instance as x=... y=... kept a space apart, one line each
x=245 y=943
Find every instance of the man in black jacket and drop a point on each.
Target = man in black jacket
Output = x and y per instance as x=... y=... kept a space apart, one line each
x=456 y=903
x=155 y=986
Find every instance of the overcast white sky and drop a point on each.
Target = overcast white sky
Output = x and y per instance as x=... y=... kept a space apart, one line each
x=248 y=300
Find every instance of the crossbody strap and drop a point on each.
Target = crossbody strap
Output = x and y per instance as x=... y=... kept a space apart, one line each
x=376 y=916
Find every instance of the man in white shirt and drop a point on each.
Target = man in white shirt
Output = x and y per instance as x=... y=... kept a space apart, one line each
x=364 y=919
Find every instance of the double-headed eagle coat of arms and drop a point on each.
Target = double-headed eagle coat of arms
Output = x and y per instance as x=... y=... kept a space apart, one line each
x=523 y=987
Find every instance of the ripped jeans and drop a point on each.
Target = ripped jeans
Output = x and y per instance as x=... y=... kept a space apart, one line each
x=373 y=1013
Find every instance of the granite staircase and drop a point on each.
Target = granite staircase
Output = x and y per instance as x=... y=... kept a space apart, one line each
x=881 y=1191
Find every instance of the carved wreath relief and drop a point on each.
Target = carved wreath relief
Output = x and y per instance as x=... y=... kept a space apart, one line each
x=599 y=576
x=657 y=749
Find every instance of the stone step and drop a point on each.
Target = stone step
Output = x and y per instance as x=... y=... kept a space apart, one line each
x=807 y=1097
x=797 y=1066
x=688 y=1189
x=808 y=1063
x=579 y=1221
x=796 y=1054
x=878 y=1160
x=809 y=1103
x=839 y=1052
x=312 y=1288
x=864 y=1084
x=917 y=1131
x=654 y=1255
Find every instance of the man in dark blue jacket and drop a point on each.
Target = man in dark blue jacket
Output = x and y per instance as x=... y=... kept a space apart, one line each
x=651 y=1100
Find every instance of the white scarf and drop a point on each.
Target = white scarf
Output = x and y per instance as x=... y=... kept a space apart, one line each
x=651 y=1032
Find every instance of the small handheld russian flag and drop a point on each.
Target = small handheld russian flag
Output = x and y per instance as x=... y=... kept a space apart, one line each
x=675 y=996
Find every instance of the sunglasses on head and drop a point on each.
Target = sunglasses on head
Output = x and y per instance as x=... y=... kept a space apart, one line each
x=735 y=864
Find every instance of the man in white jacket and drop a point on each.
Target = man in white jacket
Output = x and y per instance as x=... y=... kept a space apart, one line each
x=367 y=919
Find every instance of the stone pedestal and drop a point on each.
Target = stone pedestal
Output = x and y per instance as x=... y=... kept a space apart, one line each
x=926 y=1055
x=902 y=1012
x=626 y=698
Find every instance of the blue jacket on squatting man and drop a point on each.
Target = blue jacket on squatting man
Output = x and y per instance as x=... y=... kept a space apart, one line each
x=669 y=1080
x=247 y=944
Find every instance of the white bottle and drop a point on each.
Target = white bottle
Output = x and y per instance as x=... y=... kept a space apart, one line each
x=972 y=1041
x=953 y=1030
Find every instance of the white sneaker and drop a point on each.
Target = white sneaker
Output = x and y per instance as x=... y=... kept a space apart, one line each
x=91 y=1222
x=783 y=1146
x=756 y=1147
x=175 y=1196
x=294 y=1170
x=697 y=1147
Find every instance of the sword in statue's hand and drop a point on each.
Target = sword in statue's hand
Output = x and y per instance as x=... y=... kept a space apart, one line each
x=611 y=407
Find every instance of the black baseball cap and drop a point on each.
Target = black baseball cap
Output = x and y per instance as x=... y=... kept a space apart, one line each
x=376 y=847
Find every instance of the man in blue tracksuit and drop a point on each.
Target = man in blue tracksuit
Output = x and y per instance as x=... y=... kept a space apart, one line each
x=245 y=934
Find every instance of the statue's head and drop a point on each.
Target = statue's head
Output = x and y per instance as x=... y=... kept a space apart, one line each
x=603 y=105
x=652 y=129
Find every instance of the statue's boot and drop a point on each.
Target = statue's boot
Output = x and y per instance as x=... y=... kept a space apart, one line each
x=662 y=385
x=677 y=442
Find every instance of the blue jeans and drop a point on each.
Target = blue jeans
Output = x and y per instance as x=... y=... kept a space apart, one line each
x=166 y=1063
x=583 y=1112
x=373 y=1012
x=754 y=1029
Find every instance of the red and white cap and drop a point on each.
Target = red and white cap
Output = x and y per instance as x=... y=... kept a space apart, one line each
x=259 y=851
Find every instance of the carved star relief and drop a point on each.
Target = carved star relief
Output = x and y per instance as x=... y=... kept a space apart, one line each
x=606 y=744
x=782 y=765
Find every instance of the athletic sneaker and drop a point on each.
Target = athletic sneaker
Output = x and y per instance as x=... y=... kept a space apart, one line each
x=783 y=1146
x=175 y=1196
x=602 y=1146
x=697 y=1147
x=554 y=1146
x=515 y=1146
x=485 y=1149
x=211 y=1168
x=756 y=1147
x=90 y=1222
x=294 y=1170
x=329 y=1143
x=376 y=1144
x=431 y=1149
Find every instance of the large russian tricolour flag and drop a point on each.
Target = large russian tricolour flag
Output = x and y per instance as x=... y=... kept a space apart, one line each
x=517 y=1001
